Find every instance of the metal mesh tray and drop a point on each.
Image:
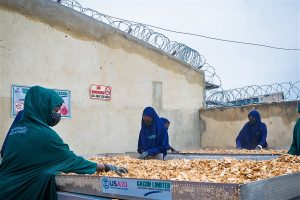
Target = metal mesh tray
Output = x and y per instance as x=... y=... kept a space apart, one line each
x=281 y=187
x=201 y=156
x=277 y=188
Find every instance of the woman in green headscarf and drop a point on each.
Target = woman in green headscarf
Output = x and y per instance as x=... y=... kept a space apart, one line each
x=35 y=153
x=295 y=147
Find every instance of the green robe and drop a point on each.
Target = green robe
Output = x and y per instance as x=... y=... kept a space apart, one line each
x=35 y=153
x=295 y=147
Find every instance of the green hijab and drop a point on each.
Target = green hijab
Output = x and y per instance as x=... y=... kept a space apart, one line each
x=39 y=103
x=295 y=147
x=35 y=153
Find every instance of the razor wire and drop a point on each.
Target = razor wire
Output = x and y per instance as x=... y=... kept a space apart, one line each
x=158 y=40
x=254 y=94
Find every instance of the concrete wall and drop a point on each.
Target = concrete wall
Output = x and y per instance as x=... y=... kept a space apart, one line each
x=222 y=125
x=44 y=43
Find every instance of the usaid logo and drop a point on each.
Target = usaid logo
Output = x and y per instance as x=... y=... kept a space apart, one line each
x=105 y=183
x=114 y=184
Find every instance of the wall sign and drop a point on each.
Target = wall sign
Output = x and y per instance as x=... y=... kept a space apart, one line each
x=100 y=92
x=18 y=99
x=138 y=188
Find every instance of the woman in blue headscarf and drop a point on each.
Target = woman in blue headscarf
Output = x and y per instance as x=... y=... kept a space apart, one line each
x=166 y=123
x=254 y=133
x=153 y=138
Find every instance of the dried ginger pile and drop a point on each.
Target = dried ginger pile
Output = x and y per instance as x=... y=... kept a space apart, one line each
x=219 y=171
x=235 y=151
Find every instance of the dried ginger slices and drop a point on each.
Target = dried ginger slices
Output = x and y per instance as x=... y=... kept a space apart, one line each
x=227 y=170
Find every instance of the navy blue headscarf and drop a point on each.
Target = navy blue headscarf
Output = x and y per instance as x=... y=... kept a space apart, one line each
x=164 y=121
x=17 y=118
x=153 y=139
x=253 y=134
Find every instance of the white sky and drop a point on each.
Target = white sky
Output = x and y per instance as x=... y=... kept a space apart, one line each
x=270 y=22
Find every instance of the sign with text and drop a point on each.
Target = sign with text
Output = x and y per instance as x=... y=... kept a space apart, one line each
x=100 y=92
x=137 y=188
x=18 y=99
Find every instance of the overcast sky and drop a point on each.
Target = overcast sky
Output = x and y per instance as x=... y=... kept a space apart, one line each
x=270 y=22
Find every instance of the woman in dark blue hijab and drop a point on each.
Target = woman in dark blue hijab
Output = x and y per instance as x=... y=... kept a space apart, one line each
x=254 y=133
x=153 y=138
x=18 y=118
x=166 y=123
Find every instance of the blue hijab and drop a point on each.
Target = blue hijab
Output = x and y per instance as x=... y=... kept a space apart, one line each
x=153 y=139
x=17 y=118
x=253 y=134
x=164 y=121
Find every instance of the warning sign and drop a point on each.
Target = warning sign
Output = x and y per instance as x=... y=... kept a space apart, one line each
x=100 y=92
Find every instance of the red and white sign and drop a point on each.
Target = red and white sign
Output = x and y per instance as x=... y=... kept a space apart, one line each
x=100 y=92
